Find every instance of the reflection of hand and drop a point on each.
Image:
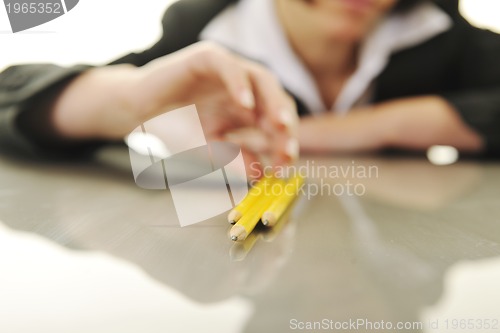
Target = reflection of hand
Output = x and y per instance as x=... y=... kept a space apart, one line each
x=409 y=182
x=417 y=184
x=230 y=93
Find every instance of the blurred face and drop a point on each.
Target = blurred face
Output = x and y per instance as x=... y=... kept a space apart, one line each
x=347 y=20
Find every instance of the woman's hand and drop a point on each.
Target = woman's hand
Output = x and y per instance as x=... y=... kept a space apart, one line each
x=231 y=94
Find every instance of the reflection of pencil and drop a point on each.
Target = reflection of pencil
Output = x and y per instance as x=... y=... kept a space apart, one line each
x=240 y=250
x=278 y=207
x=247 y=222
x=248 y=201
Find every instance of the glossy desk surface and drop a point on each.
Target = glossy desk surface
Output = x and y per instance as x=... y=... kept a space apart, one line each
x=82 y=249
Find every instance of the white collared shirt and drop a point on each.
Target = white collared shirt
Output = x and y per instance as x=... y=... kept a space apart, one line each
x=252 y=28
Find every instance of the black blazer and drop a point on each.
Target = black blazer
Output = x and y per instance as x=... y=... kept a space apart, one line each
x=462 y=64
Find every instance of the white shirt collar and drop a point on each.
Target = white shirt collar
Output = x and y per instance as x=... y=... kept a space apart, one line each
x=252 y=29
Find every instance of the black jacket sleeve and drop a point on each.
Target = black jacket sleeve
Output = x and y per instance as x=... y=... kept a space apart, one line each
x=477 y=80
x=24 y=88
x=463 y=66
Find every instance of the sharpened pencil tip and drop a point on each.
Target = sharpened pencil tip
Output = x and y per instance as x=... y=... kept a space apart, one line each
x=234 y=238
x=265 y=222
x=232 y=222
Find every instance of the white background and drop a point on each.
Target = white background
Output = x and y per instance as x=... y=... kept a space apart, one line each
x=97 y=31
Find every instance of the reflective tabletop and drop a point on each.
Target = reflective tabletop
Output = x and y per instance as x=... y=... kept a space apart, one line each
x=387 y=244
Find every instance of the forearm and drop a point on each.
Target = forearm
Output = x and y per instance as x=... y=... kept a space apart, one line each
x=411 y=123
x=95 y=105
x=418 y=123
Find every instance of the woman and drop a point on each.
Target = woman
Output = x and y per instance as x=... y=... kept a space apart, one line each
x=372 y=73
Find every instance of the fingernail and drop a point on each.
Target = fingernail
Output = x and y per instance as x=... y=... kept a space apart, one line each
x=292 y=149
x=287 y=118
x=247 y=99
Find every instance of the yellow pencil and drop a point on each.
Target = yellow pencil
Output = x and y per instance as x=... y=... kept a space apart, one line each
x=252 y=196
x=247 y=222
x=271 y=233
x=278 y=207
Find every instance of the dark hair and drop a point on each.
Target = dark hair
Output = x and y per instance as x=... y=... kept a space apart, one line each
x=404 y=5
